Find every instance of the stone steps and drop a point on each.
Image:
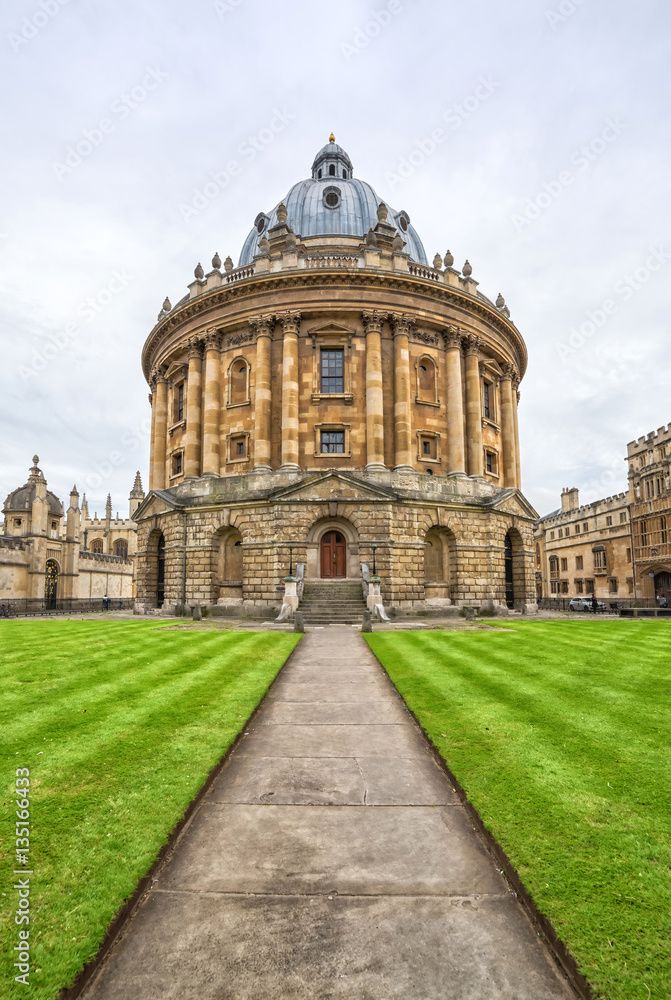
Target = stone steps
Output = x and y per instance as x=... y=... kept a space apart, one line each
x=339 y=602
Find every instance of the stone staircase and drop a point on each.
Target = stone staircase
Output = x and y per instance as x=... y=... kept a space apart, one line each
x=332 y=602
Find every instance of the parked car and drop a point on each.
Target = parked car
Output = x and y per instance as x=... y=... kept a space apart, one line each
x=585 y=604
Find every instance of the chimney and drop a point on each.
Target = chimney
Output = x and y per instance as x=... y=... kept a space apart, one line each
x=570 y=499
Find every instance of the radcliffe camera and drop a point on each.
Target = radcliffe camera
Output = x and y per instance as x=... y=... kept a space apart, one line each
x=335 y=556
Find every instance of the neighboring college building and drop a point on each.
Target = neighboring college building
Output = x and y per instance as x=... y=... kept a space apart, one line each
x=332 y=396
x=618 y=547
x=52 y=555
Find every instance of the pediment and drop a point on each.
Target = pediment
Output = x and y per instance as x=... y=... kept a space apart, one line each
x=329 y=331
x=515 y=503
x=333 y=486
x=154 y=503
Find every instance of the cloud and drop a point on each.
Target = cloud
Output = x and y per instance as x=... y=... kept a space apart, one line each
x=89 y=253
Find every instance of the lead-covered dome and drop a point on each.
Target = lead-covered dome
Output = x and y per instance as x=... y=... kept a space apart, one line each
x=21 y=499
x=332 y=203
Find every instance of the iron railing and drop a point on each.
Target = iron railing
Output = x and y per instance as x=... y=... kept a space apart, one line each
x=613 y=604
x=22 y=607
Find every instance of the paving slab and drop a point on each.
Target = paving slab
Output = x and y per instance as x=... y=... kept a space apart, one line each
x=332 y=781
x=330 y=858
x=198 y=946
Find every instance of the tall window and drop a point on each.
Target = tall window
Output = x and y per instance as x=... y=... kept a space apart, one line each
x=599 y=559
x=644 y=532
x=578 y=562
x=97 y=545
x=178 y=409
x=332 y=442
x=332 y=371
x=664 y=531
x=487 y=400
x=554 y=566
x=121 y=548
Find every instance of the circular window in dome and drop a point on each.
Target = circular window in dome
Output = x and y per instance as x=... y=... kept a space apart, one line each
x=332 y=197
x=404 y=221
x=260 y=222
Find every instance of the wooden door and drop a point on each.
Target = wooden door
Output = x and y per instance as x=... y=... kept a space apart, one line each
x=333 y=555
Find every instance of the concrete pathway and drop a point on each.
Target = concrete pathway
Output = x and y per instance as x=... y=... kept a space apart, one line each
x=330 y=859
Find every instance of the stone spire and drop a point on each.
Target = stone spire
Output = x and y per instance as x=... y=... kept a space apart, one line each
x=136 y=496
x=85 y=507
x=108 y=508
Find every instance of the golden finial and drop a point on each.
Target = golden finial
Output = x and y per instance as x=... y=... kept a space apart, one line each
x=331 y=137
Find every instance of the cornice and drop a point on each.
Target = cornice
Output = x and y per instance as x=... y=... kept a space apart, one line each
x=300 y=279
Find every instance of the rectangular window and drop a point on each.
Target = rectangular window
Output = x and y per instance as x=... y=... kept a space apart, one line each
x=612 y=585
x=577 y=529
x=427 y=447
x=178 y=413
x=176 y=465
x=578 y=562
x=564 y=586
x=561 y=532
x=630 y=585
x=589 y=586
x=332 y=370
x=238 y=447
x=623 y=517
x=600 y=559
x=491 y=464
x=552 y=534
x=644 y=532
x=564 y=565
x=628 y=555
x=663 y=529
x=585 y=525
x=609 y=521
x=332 y=442
x=487 y=400
x=578 y=586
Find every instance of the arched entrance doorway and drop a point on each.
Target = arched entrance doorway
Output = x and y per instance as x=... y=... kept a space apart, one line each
x=510 y=579
x=663 y=586
x=51 y=584
x=333 y=555
x=160 y=571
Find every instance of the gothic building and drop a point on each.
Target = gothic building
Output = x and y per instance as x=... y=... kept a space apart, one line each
x=334 y=400
x=50 y=554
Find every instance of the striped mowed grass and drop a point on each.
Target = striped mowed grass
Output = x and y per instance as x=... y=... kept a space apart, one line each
x=559 y=734
x=118 y=723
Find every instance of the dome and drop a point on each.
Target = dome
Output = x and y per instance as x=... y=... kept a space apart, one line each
x=332 y=203
x=21 y=499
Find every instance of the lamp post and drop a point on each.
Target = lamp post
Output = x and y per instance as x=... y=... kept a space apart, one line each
x=374 y=549
x=291 y=559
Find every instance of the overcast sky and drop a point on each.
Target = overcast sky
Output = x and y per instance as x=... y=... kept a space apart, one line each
x=531 y=137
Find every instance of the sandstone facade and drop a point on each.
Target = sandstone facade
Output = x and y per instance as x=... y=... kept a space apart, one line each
x=335 y=389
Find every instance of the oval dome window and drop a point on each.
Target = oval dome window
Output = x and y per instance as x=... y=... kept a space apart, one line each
x=332 y=197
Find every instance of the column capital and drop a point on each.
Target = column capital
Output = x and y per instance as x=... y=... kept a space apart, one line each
x=291 y=322
x=453 y=337
x=195 y=348
x=262 y=326
x=212 y=340
x=509 y=372
x=157 y=375
x=472 y=344
x=373 y=321
x=401 y=324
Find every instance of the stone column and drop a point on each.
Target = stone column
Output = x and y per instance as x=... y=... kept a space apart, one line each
x=402 y=395
x=456 y=456
x=263 y=395
x=211 y=403
x=290 y=453
x=508 y=427
x=374 y=398
x=473 y=408
x=194 y=411
x=518 y=467
x=160 y=422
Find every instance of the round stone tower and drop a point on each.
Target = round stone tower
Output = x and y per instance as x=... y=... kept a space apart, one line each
x=332 y=396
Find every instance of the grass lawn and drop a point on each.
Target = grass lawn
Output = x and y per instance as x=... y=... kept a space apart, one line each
x=559 y=733
x=119 y=724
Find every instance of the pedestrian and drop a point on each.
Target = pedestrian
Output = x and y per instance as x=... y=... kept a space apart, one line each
x=595 y=604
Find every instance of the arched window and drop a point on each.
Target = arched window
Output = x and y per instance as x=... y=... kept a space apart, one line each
x=332 y=170
x=427 y=382
x=440 y=557
x=238 y=382
x=554 y=566
x=121 y=548
x=51 y=583
x=97 y=545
